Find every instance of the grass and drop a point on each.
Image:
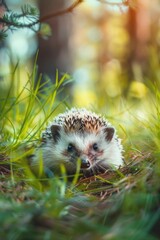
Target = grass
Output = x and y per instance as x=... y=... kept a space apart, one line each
x=122 y=204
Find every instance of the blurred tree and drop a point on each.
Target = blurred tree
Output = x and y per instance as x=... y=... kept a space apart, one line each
x=138 y=27
x=54 y=53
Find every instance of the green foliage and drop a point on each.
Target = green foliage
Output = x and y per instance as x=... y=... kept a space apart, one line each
x=3 y=35
x=27 y=18
x=122 y=204
x=24 y=113
x=27 y=107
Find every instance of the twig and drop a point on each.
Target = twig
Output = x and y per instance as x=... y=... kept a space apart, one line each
x=42 y=19
x=61 y=12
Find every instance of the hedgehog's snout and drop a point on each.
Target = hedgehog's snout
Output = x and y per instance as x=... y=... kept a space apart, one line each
x=85 y=163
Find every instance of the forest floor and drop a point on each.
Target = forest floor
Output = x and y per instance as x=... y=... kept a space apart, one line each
x=119 y=204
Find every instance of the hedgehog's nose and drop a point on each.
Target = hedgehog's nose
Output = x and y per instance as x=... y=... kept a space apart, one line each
x=85 y=163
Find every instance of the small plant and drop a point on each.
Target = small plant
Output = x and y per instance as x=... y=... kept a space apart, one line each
x=121 y=204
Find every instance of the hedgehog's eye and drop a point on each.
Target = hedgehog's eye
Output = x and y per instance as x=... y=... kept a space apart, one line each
x=70 y=147
x=95 y=147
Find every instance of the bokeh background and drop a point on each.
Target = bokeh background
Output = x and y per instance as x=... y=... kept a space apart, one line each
x=110 y=48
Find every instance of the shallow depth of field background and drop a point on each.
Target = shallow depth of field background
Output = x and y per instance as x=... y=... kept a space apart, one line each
x=103 y=56
x=110 y=50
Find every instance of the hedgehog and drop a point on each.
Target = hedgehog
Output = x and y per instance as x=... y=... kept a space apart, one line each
x=79 y=134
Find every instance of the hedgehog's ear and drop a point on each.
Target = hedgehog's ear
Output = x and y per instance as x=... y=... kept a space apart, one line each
x=55 y=130
x=109 y=132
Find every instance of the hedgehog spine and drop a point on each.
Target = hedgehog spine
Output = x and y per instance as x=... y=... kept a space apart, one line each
x=80 y=134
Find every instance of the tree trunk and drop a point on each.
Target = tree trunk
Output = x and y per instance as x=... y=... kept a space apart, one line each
x=54 y=52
